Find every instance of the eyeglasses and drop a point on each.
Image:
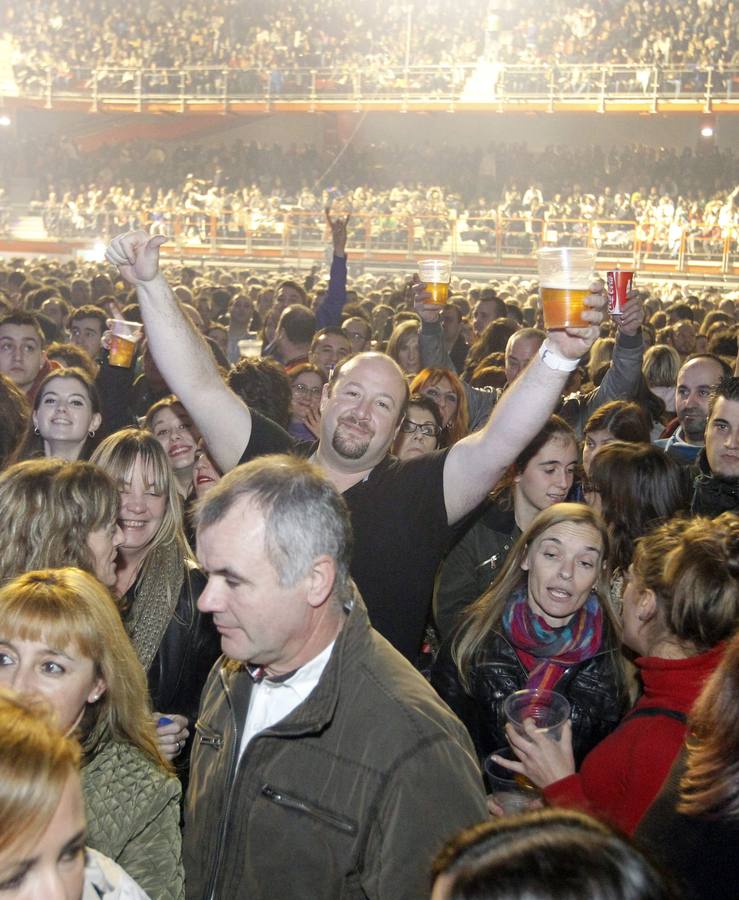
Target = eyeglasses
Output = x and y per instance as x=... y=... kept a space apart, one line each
x=356 y=336
x=309 y=391
x=426 y=429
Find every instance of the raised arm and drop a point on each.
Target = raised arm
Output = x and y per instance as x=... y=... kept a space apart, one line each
x=477 y=462
x=180 y=352
x=328 y=311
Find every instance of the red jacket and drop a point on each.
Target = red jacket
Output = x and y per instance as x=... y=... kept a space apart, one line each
x=620 y=777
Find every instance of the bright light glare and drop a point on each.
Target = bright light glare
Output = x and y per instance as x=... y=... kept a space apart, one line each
x=707 y=131
x=4 y=121
x=95 y=254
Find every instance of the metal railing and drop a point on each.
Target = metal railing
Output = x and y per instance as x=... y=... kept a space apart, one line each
x=482 y=82
x=290 y=234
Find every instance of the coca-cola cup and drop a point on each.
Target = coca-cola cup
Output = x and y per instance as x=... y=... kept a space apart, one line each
x=618 y=285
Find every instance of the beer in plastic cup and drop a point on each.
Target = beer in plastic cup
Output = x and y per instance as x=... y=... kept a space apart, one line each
x=511 y=791
x=618 y=285
x=548 y=709
x=435 y=274
x=250 y=347
x=123 y=339
x=565 y=276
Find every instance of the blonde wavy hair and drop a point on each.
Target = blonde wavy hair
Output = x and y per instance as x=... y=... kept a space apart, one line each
x=48 y=509
x=36 y=761
x=70 y=608
x=484 y=615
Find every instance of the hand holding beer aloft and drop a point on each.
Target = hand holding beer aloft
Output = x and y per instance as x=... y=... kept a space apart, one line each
x=422 y=300
x=575 y=342
x=136 y=254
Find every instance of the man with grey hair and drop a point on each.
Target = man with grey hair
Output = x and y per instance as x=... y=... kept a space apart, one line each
x=324 y=765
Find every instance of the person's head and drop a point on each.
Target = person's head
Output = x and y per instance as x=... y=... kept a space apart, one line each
x=358 y=332
x=295 y=328
x=86 y=327
x=150 y=510
x=403 y=346
x=62 y=638
x=66 y=412
x=683 y=586
x=695 y=381
x=521 y=347
x=205 y=473
x=57 y=309
x=306 y=386
x=274 y=537
x=70 y=356
x=545 y=855
x=21 y=348
x=361 y=411
x=58 y=514
x=600 y=355
x=240 y=309
x=219 y=335
x=171 y=425
x=614 y=421
x=328 y=348
x=42 y=813
x=15 y=415
x=288 y=292
x=722 y=429
x=420 y=430
x=486 y=310
x=635 y=487
x=559 y=561
x=447 y=391
x=661 y=366
x=263 y=385
x=684 y=334
x=542 y=473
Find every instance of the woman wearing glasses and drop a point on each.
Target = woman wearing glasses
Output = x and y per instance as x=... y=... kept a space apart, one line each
x=420 y=430
x=306 y=385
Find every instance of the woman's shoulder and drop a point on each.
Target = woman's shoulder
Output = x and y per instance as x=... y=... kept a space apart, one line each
x=123 y=764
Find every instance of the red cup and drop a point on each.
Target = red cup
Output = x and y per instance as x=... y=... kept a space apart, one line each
x=618 y=284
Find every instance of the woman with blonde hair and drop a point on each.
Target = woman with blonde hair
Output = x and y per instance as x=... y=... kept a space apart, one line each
x=681 y=604
x=171 y=425
x=61 y=638
x=57 y=514
x=158 y=582
x=541 y=624
x=403 y=346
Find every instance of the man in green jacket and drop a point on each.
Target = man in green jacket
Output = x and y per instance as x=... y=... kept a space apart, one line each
x=323 y=765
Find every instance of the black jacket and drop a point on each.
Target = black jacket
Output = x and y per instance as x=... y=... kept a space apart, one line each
x=712 y=495
x=595 y=689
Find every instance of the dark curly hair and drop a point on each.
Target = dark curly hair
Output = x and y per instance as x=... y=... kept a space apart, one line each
x=263 y=385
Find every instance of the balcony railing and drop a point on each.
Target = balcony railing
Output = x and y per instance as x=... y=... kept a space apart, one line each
x=482 y=83
x=292 y=235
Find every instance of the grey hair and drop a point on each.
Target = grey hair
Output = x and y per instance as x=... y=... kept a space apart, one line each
x=304 y=516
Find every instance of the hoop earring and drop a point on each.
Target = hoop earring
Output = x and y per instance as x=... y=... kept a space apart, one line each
x=91 y=433
x=35 y=430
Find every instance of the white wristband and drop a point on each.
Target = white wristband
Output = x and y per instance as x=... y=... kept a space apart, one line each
x=554 y=359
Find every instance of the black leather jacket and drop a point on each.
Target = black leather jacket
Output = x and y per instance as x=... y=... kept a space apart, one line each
x=595 y=689
x=186 y=654
x=712 y=494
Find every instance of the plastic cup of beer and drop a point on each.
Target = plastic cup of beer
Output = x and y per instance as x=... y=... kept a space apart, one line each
x=548 y=709
x=123 y=339
x=436 y=274
x=565 y=276
x=514 y=793
x=250 y=347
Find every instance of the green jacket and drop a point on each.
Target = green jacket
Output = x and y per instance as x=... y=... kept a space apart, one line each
x=349 y=796
x=133 y=816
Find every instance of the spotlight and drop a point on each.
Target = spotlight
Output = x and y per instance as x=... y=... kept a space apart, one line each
x=707 y=131
x=4 y=121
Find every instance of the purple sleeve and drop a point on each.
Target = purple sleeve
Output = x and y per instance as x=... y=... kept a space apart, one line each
x=328 y=311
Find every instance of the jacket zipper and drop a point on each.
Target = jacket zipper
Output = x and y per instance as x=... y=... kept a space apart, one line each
x=222 y=825
x=283 y=799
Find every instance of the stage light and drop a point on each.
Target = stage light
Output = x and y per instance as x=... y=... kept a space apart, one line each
x=4 y=121
x=707 y=131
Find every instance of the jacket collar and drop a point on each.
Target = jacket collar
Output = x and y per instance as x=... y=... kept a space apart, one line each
x=318 y=710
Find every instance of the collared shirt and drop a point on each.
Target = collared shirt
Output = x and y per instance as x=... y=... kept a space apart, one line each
x=272 y=701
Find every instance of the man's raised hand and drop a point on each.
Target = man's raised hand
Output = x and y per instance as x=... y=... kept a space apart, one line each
x=136 y=254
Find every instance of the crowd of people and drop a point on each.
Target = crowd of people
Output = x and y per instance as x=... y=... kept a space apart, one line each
x=661 y=198
x=261 y=44
x=292 y=553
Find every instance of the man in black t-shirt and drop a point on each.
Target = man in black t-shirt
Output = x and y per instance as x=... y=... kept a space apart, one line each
x=402 y=512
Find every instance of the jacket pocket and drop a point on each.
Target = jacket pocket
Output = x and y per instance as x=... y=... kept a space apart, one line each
x=207 y=737
x=290 y=801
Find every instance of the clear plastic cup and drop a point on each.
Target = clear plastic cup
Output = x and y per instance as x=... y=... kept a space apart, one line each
x=512 y=792
x=565 y=276
x=250 y=347
x=123 y=339
x=436 y=274
x=548 y=709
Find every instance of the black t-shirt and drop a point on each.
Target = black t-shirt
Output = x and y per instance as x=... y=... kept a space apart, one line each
x=400 y=533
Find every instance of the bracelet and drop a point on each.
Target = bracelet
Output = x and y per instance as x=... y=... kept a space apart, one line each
x=554 y=359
